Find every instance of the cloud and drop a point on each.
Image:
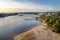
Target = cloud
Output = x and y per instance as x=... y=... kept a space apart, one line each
x=26 y=6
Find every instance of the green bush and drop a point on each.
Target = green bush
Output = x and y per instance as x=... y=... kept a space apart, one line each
x=56 y=28
x=42 y=17
x=57 y=21
x=47 y=19
x=52 y=21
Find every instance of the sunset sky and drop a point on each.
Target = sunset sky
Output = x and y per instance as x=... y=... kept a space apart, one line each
x=29 y=5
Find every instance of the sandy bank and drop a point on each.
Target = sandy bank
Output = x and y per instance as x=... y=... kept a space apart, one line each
x=38 y=33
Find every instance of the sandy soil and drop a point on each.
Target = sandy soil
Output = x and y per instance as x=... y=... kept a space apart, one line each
x=38 y=33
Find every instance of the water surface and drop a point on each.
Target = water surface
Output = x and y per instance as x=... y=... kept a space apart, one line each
x=12 y=25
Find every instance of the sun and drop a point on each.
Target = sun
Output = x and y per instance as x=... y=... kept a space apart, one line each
x=3 y=4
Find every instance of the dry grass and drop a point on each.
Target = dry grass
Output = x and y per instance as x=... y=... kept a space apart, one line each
x=38 y=33
x=30 y=35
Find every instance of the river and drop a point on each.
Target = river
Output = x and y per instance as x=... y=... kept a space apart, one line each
x=12 y=25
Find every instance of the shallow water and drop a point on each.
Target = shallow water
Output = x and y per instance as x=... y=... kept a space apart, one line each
x=12 y=25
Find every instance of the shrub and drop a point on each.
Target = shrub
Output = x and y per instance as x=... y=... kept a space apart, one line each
x=56 y=28
x=42 y=17
x=53 y=21
x=47 y=19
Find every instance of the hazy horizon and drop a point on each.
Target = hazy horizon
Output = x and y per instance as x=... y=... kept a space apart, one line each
x=29 y=5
